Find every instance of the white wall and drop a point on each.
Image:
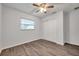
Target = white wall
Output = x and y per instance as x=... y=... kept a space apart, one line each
x=74 y=27
x=59 y=28
x=49 y=29
x=0 y=28
x=53 y=28
x=12 y=34
x=66 y=27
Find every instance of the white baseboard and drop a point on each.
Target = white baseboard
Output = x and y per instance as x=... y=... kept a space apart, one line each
x=59 y=43
x=73 y=43
x=17 y=44
x=55 y=42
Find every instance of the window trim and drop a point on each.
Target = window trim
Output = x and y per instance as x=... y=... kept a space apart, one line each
x=27 y=19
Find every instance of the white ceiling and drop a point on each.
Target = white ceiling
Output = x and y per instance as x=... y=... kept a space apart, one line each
x=30 y=9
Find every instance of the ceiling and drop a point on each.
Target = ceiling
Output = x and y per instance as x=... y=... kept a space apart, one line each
x=30 y=9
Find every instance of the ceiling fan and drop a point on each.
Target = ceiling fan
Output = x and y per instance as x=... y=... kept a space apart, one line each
x=43 y=7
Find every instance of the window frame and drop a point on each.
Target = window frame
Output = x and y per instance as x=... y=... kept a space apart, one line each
x=27 y=19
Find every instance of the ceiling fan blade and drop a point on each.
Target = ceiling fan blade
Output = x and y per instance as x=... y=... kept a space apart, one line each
x=37 y=11
x=50 y=6
x=35 y=5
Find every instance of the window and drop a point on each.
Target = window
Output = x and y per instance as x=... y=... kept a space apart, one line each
x=27 y=24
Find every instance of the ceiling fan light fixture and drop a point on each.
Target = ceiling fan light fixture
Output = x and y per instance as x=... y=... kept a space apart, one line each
x=43 y=10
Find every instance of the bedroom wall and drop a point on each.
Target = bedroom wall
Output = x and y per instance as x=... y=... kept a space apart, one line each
x=53 y=28
x=66 y=26
x=12 y=34
x=0 y=27
x=71 y=29
x=74 y=27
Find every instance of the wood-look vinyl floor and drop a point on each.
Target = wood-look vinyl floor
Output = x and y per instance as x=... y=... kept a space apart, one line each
x=42 y=48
